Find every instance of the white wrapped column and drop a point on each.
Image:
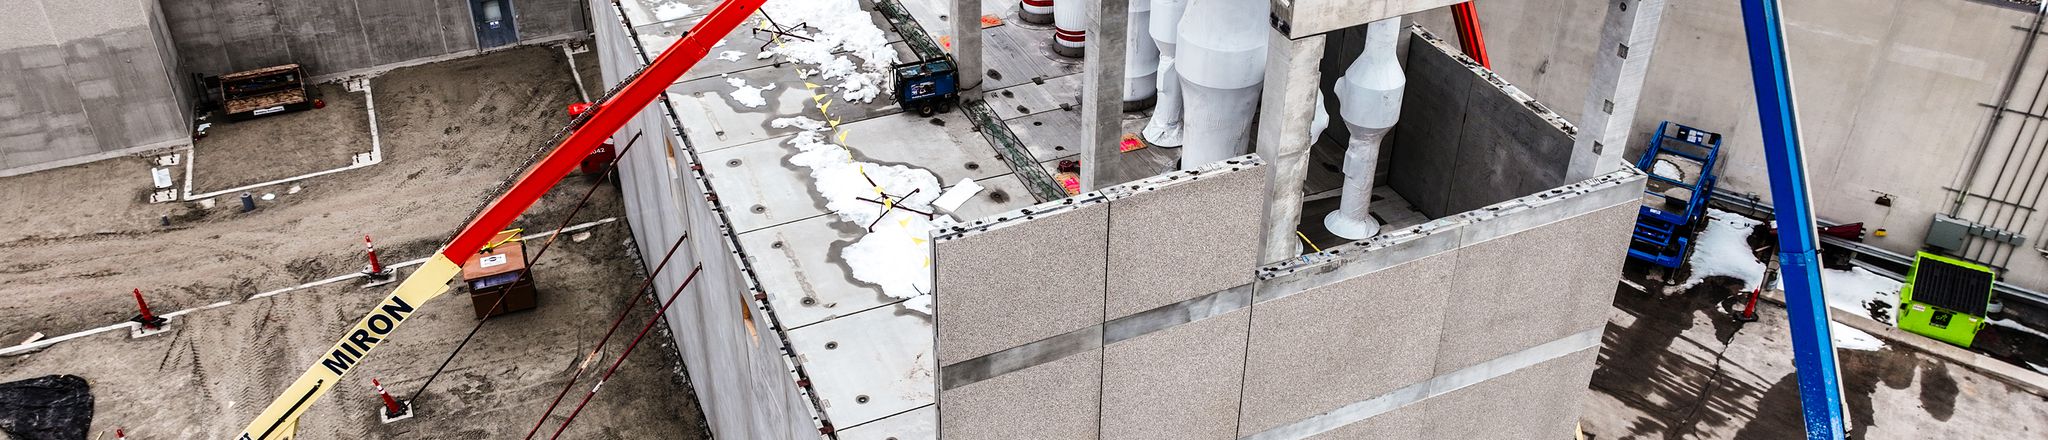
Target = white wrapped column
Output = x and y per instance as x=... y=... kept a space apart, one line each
x=1141 y=67
x=1369 y=99
x=1165 y=127
x=1222 y=60
x=1069 y=27
x=1035 y=11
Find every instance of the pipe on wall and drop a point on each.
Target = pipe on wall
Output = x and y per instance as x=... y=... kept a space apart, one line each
x=1369 y=99
x=1141 y=59
x=1222 y=62
x=1069 y=27
x=1164 y=129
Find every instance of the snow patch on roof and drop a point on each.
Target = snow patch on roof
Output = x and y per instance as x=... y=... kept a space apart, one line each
x=835 y=25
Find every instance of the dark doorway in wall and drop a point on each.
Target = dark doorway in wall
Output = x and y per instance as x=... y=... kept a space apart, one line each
x=494 y=23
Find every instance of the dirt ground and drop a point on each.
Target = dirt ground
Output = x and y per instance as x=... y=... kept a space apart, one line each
x=1677 y=365
x=235 y=154
x=452 y=132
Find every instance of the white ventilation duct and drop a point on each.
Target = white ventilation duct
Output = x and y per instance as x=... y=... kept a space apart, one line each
x=1141 y=59
x=1369 y=99
x=1069 y=27
x=1165 y=127
x=1035 y=11
x=1222 y=61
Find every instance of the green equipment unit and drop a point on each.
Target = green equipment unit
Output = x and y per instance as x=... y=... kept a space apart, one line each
x=1945 y=298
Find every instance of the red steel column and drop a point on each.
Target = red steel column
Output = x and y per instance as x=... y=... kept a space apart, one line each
x=1469 y=36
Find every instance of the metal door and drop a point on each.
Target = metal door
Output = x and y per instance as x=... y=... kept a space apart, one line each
x=494 y=23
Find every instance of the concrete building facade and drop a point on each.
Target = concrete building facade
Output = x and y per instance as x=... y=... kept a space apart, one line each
x=86 y=80
x=1898 y=98
x=91 y=80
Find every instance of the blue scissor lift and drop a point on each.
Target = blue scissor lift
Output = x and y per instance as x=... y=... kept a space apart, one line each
x=1680 y=162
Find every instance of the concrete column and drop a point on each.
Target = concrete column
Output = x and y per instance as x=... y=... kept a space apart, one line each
x=1626 y=40
x=966 y=21
x=1284 y=137
x=1102 y=91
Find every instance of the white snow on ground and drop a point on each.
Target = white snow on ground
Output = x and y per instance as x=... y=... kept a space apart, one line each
x=672 y=11
x=731 y=55
x=1668 y=170
x=1723 y=250
x=2037 y=367
x=747 y=95
x=835 y=25
x=2014 y=326
x=895 y=254
x=1855 y=289
x=1847 y=337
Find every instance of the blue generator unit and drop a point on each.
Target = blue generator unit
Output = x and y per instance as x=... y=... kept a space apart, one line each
x=927 y=86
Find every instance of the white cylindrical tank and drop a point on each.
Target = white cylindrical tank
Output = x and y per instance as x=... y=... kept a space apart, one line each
x=1222 y=61
x=1141 y=59
x=1165 y=127
x=1369 y=99
x=1035 y=11
x=1069 y=27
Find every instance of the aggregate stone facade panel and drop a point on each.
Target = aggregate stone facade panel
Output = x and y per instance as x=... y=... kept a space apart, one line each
x=1178 y=383
x=1019 y=283
x=1327 y=347
x=1185 y=239
x=1525 y=289
x=1060 y=400
x=1540 y=401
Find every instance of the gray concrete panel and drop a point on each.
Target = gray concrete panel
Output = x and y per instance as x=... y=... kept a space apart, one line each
x=1179 y=383
x=1310 y=17
x=84 y=80
x=1321 y=349
x=1191 y=235
x=326 y=36
x=25 y=27
x=1504 y=301
x=545 y=18
x=400 y=30
x=919 y=424
x=1425 y=143
x=1537 y=402
x=1060 y=400
x=1020 y=283
x=869 y=365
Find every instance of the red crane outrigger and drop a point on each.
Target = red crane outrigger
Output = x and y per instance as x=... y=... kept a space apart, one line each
x=280 y=419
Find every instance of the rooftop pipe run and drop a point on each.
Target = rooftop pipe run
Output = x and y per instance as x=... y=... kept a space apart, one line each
x=1164 y=129
x=1369 y=99
x=1222 y=62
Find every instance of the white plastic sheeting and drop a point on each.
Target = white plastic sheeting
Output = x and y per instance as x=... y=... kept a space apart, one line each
x=1222 y=62
x=1370 y=95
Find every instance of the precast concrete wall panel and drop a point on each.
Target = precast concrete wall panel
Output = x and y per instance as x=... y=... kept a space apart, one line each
x=1058 y=400
x=1183 y=235
x=1179 y=383
x=1540 y=401
x=83 y=81
x=1525 y=289
x=1021 y=282
x=328 y=37
x=730 y=351
x=1468 y=139
x=1327 y=347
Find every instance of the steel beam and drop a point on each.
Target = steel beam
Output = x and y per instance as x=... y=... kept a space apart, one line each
x=1813 y=348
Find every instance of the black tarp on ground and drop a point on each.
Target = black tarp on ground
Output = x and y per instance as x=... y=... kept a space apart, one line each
x=46 y=408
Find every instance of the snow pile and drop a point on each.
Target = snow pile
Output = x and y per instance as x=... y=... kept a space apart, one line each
x=895 y=253
x=1723 y=250
x=672 y=10
x=1668 y=170
x=1857 y=290
x=731 y=55
x=1847 y=337
x=747 y=95
x=2014 y=326
x=835 y=25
